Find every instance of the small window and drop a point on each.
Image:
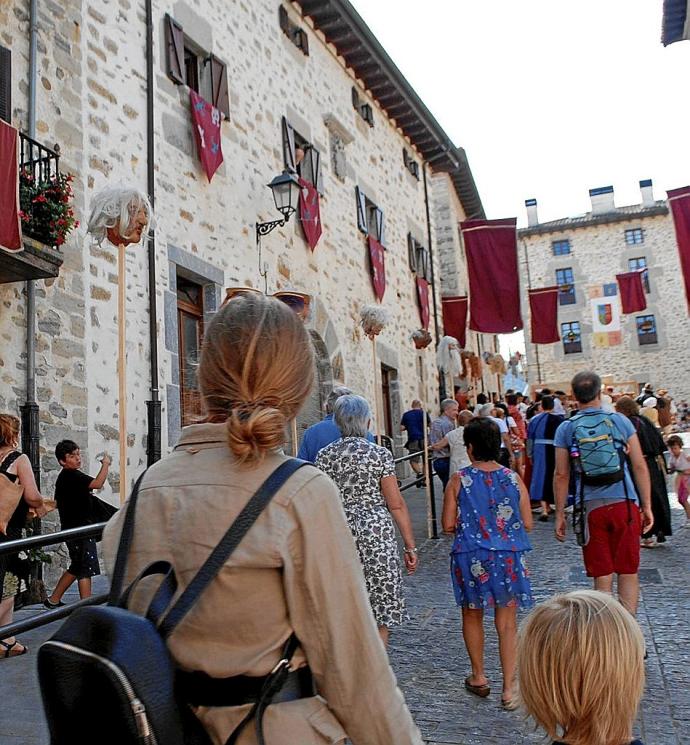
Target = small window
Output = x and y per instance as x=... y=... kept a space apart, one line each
x=297 y=35
x=571 y=337
x=188 y=64
x=300 y=156
x=411 y=164
x=190 y=325
x=634 y=236
x=418 y=258
x=363 y=109
x=640 y=263
x=646 y=330
x=369 y=217
x=566 y=286
x=560 y=248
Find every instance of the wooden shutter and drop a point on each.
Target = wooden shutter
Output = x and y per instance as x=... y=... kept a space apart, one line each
x=368 y=114
x=288 y=145
x=361 y=211
x=5 y=84
x=412 y=252
x=219 y=86
x=315 y=171
x=380 y=235
x=284 y=20
x=302 y=40
x=355 y=98
x=174 y=41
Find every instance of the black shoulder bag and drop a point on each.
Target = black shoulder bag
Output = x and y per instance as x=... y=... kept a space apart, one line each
x=107 y=676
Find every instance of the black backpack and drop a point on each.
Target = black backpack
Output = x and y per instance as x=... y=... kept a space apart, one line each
x=106 y=675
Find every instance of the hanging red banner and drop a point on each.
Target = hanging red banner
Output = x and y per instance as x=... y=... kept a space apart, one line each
x=423 y=301
x=206 y=120
x=377 y=266
x=10 y=225
x=679 y=201
x=492 y=266
x=309 y=212
x=543 y=312
x=633 y=298
x=455 y=318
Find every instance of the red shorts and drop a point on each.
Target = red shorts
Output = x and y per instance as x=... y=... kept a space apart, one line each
x=614 y=540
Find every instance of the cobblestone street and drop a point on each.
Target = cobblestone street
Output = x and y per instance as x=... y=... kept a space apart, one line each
x=430 y=660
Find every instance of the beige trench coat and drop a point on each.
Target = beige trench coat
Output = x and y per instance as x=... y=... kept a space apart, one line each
x=296 y=570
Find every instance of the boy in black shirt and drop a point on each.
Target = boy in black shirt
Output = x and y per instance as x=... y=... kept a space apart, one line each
x=74 y=503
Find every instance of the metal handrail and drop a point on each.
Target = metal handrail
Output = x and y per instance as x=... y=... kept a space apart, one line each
x=50 y=539
x=49 y=616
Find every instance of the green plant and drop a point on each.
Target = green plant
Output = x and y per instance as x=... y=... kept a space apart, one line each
x=46 y=207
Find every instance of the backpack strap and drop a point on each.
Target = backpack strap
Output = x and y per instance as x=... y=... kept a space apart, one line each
x=9 y=460
x=221 y=553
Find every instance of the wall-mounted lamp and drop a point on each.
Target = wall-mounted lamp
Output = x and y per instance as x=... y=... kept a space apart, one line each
x=286 y=191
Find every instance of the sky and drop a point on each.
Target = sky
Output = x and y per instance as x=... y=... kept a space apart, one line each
x=549 y=98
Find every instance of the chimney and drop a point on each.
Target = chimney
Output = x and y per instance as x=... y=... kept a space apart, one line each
x=531 y=205
x=647 y=193
x=602 y=200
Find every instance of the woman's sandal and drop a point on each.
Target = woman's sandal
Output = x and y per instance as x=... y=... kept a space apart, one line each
x=482 y=691
x=9 y=647
x=508 y=704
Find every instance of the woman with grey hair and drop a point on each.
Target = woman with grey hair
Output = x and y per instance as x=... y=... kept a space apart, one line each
x=365 y=474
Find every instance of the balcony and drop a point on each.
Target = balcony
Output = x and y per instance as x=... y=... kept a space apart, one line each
x=39 y=259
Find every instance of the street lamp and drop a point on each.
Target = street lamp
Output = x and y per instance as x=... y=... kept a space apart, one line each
x=286 y=189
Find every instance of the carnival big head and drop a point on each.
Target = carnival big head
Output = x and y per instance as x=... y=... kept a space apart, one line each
x=119 y=213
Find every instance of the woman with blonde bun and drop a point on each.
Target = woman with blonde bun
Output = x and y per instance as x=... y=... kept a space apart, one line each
x=295 y=572
x=581 y=669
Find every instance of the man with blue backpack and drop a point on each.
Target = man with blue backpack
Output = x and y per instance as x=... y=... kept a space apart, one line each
x=611 y=509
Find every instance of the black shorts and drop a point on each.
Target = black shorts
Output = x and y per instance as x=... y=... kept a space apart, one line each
x=415 y=446
x=83 y=558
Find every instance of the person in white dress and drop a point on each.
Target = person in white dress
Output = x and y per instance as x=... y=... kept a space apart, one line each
x=455 y=441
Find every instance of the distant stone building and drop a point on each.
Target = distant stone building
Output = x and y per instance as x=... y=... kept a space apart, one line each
x=306 y=76
x=583 y=255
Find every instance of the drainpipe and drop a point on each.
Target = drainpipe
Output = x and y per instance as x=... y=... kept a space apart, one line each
x=153 y=407
x=29 y=411
x=441 y=376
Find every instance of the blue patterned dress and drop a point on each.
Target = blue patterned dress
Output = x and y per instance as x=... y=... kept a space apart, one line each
x=487 y=562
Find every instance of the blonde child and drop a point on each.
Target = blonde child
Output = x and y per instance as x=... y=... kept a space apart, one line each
x=581 y=669
x=680 y=463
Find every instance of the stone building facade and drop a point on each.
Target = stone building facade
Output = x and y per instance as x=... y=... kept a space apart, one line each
x=583 y=255
x=310 y=65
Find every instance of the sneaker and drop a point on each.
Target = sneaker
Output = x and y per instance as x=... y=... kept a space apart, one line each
x=648 y=542
x=52 y=606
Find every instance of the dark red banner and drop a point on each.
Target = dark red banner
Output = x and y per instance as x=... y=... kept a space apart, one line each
x=377 y=267
x=455 y=318
x=543 y=313
x=492 y=266
x=423 y=300
x=679 y=201
x=10 y=226
x=633 y=298
x=309 y=212
x=206 y=120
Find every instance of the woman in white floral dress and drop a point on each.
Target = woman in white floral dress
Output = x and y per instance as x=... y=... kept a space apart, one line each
x=365 y=474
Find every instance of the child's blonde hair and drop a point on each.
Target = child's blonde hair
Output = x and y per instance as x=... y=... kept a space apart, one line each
x=581 y=668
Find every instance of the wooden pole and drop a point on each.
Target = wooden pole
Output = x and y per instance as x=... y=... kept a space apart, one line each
x=377 y=392
x=122 y=365
x=293 y=430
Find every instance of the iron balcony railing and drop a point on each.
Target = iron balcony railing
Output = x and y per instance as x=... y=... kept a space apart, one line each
x=37 y=160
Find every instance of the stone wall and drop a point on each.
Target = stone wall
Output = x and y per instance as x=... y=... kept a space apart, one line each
x=598 y=253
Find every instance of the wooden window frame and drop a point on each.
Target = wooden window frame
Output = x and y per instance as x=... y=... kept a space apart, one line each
x=646 y=336
x=634 y=265
x=362 y=107
x=296 y=34
x=573 y=346
x=190 y=398
x=310 y=167
x=566 y=290
x=561 y=243
x=410 y=163
x=633 y=233
x=370 y=217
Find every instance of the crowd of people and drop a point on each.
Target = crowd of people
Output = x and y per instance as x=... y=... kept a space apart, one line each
x=321 y=563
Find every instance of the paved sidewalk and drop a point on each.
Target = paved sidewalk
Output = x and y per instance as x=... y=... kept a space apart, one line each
x=430 y=659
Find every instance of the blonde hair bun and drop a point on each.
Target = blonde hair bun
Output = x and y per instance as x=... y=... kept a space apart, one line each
x=252 y=433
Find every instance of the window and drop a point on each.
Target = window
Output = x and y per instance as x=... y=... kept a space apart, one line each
x=571 y=337
x=362 y=108
x=418 y=258
x=300 y=156
x=5 y=84
x=297 y=35
x=190 y=65
x=411 y=164
x=646 y=330
x=566 y=286
x=640 y=263
x=634 y=236
x=369 y=217
x=560 y=248
x=190 y=325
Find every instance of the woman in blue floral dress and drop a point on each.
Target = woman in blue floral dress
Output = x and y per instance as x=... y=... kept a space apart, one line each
x=487 y=507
